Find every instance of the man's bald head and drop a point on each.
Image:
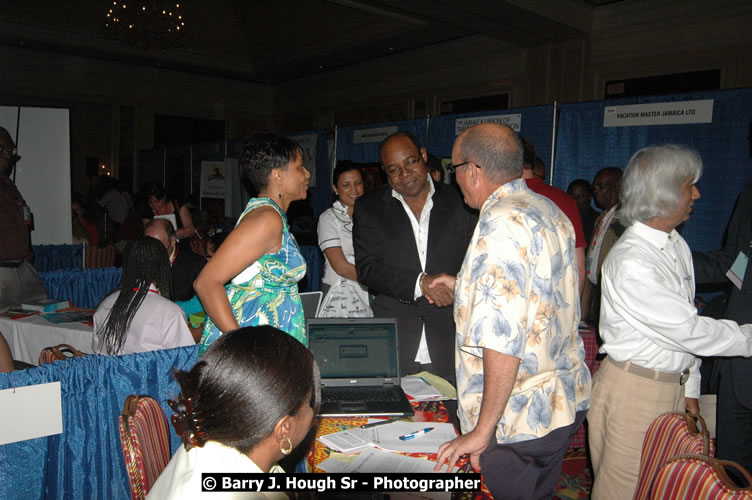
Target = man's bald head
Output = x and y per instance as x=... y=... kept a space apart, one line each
x=162 y=230
x=495 y=148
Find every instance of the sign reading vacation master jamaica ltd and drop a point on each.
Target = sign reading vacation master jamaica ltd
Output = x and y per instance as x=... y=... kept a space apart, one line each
x=513 y=121
x=660 y=113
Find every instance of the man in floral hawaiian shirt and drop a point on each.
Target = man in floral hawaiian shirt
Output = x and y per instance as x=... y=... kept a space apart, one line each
x=522 y=382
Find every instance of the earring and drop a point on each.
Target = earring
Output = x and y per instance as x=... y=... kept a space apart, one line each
x=287 y=449
x=279 y=193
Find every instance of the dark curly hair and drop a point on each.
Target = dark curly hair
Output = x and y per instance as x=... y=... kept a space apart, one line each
x=145 y=261
x=262 y=153
x=245 y=382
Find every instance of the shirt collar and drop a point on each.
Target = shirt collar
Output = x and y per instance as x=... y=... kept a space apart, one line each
x=340 y=207
x=431 y=190
x=660 y=239
x=508 y=188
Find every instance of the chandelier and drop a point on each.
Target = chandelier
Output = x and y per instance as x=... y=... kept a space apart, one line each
x=147 y=24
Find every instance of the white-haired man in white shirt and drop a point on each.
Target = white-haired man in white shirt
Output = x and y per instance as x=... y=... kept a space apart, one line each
x=649 y=324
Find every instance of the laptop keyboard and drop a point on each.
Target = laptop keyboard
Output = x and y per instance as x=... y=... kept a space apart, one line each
x=360 y=394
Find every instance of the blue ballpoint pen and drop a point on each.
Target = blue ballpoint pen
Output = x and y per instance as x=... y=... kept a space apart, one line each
x=416 y=434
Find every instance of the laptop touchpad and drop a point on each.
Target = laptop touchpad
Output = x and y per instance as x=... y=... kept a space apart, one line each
x=353 y=405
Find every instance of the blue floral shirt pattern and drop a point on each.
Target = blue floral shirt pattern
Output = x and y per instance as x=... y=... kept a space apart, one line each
x=517 y=294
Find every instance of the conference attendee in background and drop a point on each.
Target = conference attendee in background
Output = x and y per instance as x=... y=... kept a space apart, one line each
x=19 y=281
x=734 y=421
x=185 y=265
x=405 y=234
x=240 y=409
x=84 y=229
x=344 y=297
x=140 y=316
x=565 y=202
x=162 y=205
x=580 y=190
x=260 y=257
x=607 y=229
x=539 y=169
x=522 y=383
x=649 y=323
x=435 y=170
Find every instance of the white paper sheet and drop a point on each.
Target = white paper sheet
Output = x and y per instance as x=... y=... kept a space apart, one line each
x=30 y=412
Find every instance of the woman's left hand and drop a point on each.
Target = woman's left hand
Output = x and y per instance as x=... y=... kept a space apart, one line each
x=693 y=405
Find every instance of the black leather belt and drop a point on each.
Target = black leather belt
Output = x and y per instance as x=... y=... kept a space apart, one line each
x=11 y=263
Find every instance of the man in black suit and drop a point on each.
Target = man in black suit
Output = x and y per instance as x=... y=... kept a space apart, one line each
x=404 y=235
x=185 y=265
x=734 y=419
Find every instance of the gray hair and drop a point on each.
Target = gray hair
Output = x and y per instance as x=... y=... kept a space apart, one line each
x=651 y=186
x=501 y=160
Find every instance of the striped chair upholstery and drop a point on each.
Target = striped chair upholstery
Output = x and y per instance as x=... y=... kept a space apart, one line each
x=58 y=353
x=145 y=438
x=669 y=435
x=696 y=476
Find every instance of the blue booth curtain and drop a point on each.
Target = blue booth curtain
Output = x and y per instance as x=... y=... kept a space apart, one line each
x=82 y=287
x=584 y=146
x=536 y=124
x=86 y=460
x=54 y=257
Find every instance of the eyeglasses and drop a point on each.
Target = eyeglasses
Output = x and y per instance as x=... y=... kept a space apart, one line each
x=408 y=166
x=451 y=168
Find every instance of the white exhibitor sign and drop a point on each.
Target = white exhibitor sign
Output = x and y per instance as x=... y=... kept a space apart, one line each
x=660 y=113
x=513 y=121
x=378 y=134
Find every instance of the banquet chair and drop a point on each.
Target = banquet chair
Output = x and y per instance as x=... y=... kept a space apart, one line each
x=669 y=435
x=697 y=476
x=145 y=439
x=59 y=352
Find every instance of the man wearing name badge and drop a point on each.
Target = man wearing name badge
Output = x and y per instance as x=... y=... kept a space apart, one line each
x=404 y=234
x=734 y=421
x=19 y=281
x=652 y=333
x=522 y=384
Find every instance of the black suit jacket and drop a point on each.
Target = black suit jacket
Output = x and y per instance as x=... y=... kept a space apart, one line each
x=185 y=270
x=387 y=262
x=711 y=267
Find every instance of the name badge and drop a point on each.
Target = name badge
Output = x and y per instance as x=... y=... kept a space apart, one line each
x=736 y=273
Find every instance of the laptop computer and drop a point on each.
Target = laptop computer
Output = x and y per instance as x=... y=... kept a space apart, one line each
x=359 y=363
x=311 y=302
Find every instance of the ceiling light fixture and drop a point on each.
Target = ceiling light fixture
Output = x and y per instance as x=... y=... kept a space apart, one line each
x=146 y=24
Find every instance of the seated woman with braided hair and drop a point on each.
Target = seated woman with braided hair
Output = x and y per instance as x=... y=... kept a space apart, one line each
x=140 y=315
x=240 y=409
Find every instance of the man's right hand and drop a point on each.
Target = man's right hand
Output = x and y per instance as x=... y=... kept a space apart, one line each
x=438 y=289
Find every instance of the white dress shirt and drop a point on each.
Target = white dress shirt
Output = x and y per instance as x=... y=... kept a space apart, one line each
x=420 y=232
x=181 y=479
x=157 y=324
x=648 y=316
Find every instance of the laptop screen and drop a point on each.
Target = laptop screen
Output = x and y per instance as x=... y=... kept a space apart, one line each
x=355 y=347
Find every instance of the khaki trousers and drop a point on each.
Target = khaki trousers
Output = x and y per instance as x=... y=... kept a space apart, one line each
x=622 y=407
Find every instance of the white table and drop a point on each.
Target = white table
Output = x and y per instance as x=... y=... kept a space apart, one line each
x=28 y=336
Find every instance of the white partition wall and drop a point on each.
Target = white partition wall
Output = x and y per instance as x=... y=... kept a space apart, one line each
x=43 y=173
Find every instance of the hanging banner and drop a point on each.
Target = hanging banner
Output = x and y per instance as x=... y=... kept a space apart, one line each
x=378 y=134
x=660 y=113
x=513 y=121
x=212 y=179
x=308 y=143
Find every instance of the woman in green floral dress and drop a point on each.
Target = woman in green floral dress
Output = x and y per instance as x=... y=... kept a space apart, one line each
x=260 y=257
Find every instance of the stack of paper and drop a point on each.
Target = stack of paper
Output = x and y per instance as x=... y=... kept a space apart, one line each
x=374 y=460
x=45 y=305
x=387 y=437
x=419 y=390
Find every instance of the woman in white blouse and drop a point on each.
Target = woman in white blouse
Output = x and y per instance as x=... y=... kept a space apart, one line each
x=344 y=296
x=240 y=410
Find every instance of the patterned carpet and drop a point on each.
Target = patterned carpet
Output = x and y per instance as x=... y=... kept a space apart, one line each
x=576 y=479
